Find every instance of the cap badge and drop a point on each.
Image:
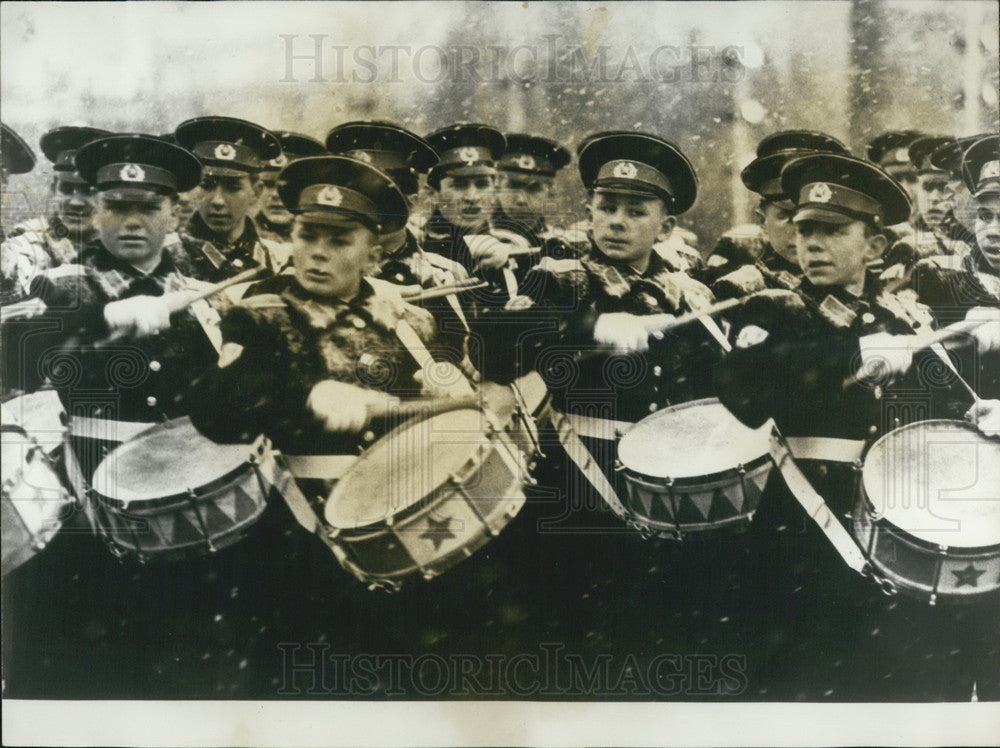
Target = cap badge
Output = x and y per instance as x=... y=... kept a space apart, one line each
x=468 y=155
x=330 y=195
x=281 y=160
x=625 y=170
x=132 y=173
x=990 y=170
x=525 y=162
x=225 y=152
x=820 y=193
x=902 y=154
x=362 y=156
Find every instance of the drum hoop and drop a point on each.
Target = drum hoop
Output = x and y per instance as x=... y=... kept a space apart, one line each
x=340 y=488
x=881 y=520
x=259 y=452
x=880 y=523
x=694 y=480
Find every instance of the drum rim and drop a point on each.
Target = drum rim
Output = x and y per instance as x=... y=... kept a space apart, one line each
x=677 y=407
x=881 y=523
x=258 y=452
x=879 y=518
x=342 y=485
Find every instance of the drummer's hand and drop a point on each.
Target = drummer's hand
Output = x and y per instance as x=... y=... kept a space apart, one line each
x=138 y=316
x=985 y=415
x=488 y=251
x=624 y=332
x=345 y=407
x=443 y=379
x=987 y=335
x=519 y=302
x=882 y=354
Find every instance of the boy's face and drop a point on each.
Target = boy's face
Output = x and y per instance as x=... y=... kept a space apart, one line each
x=271 y=206
x=836 y=254
x=134 y=231
x=987 y=227
x=467 y=200
x=935 y=197
x=625 y=226
x=330 y=261
x=779 y=229
x=76 y=204
x=524 y=197
x=224 y=202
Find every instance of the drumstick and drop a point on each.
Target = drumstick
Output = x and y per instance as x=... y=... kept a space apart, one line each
x=666 y=322
x=943 y=355
x=423 y=406
x=940 y=336
x=516 y=251
x=434 y=293
x=179 y=300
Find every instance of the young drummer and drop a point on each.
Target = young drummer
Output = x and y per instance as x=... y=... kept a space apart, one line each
x=814 y=347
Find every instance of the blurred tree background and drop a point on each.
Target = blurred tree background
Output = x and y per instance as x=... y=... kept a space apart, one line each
x=714 y=77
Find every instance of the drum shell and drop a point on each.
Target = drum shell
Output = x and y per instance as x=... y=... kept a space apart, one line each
x=482 y=497
x=735 y=492
x=890 y=550
x=917 y=567
x=196 y=521
x=33 y=500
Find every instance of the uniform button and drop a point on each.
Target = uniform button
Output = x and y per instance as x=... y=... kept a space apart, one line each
x=877 y=392
x=657 y=371
x=368 y=437
x=399 y=277
x=151 y=401
x=238 y=262
x=358 y=323
x=867 y=318
x=653 y=407
x=873 y=430
x=155 y=366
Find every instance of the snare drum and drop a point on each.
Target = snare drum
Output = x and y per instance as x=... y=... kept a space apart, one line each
x=928 y=512
x=691 y=469
x=34 y=499
x=425 y=496
x=171 y=492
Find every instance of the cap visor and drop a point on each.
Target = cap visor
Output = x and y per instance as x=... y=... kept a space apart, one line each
x=224 y=171
x=990 y=189
x=333 y=218
x=822 y=215
x=468 y=171
x=131 y=195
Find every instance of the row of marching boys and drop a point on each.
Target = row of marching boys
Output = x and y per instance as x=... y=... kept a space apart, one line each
x=321 y=349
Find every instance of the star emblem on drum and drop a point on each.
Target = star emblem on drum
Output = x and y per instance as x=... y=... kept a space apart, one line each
x=820 y=193
x=438 y=531
x=625 y=170
x=969 y=576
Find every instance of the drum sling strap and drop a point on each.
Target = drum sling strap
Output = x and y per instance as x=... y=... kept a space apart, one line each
x=577 y=451
x=331 y=467
x=810 y=499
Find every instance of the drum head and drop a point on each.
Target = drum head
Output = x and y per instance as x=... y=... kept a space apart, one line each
x=405 y=466
x=938 y=481
x=165 y=461
x=691 y=439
